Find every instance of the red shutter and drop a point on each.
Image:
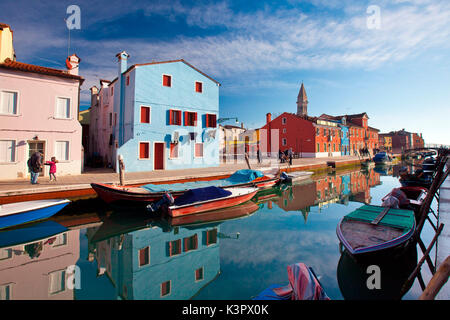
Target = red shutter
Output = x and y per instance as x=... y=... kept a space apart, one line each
x=186 y=120
x=170 y=117
x=145 y=115
x=195 y=242
x=143 y=150
x=195 y=119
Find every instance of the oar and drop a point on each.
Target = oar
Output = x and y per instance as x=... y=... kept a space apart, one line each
x=380 y=216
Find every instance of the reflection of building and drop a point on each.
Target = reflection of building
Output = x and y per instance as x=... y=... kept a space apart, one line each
x=37 y=270
x=329 y=189
x=150 y=264
x=385 y=142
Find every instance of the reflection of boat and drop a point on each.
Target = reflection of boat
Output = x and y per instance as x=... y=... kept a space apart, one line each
x=296 y=176
x=367 y=163
x=371 y=229
x=30 y=233
x=413 y=181
x=358 y=280
x=239 y=211
x=303 y=285
x=210 y=198
x=13 y=214
x=383 y=169
x=154 y=192
x=382 y=158
x=408 y=197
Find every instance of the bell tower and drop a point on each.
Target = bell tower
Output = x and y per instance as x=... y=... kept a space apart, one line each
x=302 y=102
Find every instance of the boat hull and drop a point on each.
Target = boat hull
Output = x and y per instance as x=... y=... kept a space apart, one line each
x=210 y=205
x=32 y=215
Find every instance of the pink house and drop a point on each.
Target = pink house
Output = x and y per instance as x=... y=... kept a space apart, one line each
x=39 y=112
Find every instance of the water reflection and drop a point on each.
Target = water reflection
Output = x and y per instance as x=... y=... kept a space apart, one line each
x=232 y=253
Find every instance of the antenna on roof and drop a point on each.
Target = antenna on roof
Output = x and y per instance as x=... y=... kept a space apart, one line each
x=68 y=42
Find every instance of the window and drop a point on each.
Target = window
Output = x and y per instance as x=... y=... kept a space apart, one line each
x=145 y=114
x=284 y=130
x=284 y=141
x=174 y=150
x=317 y=131
x=110 y=119
x=112 y=91
x=324 y=147
x=8 y=102
x=57 y=281
x=199 y=150
x=198 y=87
x=283 y=120
x=175 y=117
x=5 y=292
x=115 y=119
x=128 y=80
x=174 y=247
x=144 y=256
x=144 y=150
x=199 y=274
x=318 y=147
x=190 y=118
x=211 y=236
x=5 y=254
x=190 y=243
x=7 y=150
x=165 y=288
x=211 y=120
x=62 y=150
x=62 y=108
x=60 y=240
x=167 y=80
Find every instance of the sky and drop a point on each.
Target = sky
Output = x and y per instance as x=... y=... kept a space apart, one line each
x=388 y=58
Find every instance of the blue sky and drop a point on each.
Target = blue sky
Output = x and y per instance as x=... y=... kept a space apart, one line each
x=261 y=52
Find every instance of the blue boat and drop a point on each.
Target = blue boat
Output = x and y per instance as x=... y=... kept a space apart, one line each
x=382 y=158
x=13 y=214
x=30 y=233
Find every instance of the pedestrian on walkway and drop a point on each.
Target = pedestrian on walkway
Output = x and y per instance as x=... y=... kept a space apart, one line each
x=52 y=163
x=290 y=156
x=258 y=154
x=34 y=165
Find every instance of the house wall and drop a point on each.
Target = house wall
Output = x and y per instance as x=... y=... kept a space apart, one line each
x=36 y=117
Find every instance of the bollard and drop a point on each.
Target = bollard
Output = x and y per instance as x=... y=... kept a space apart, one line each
x=121 y=170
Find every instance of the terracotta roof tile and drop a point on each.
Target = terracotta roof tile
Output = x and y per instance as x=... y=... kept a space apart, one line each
x=25 y=67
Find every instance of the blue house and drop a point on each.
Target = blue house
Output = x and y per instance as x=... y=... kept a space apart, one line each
x=165 y=116
x=342 y=123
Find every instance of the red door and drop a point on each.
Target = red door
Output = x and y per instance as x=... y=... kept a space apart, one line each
x=159 y=156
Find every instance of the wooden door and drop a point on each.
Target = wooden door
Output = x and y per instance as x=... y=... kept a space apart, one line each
x=37 y=146
x=159 y=156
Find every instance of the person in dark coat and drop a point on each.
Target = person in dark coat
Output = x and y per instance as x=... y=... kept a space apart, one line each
x=34 y=165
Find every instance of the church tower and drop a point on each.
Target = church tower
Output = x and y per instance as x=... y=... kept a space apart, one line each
x=302 y=102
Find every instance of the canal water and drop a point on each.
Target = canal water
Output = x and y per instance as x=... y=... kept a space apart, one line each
x=124 y=254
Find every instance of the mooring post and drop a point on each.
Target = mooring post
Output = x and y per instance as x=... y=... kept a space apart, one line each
x=121 y=170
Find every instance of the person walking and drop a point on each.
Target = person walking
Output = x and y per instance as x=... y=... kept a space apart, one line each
x=258 y=154
x=52 y=163
x=34 y=164
x=290 y=156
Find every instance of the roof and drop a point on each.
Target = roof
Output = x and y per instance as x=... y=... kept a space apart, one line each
x=302 y=94
x=4 y=25
x=171 y=61
x=25 y=67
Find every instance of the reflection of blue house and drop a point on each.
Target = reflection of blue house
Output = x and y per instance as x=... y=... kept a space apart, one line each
x=342 y=123
x=150 y=264
x=165 y=116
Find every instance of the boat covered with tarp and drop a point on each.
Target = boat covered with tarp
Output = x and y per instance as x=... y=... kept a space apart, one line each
x=154 y=192
x=382 y=158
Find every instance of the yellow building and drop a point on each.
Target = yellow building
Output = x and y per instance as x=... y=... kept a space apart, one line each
x=6 y=43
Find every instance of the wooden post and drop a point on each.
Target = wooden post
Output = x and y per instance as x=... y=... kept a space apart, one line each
x=121 y=170
x=437 y=282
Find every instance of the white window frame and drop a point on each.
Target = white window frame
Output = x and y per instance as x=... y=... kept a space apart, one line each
x=203 y=274
x=149 y=150
x=162 y=80
x=10 y=286
x=195 y=86
x=170 y=290
x=284 y=120
x=60 y=272
x=178 y=151
x=284 y=142
x=56 y=108
x=139 y=257
x=17 y=102
x=181 y=117
x=13 y=155
x=67 y=151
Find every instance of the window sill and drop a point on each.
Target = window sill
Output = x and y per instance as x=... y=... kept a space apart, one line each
x=10 y=114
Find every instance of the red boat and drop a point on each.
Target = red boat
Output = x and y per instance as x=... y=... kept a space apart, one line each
x=111 y=193
x=189 y=203
x=408 y=197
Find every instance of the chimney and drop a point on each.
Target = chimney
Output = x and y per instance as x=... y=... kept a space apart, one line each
x=122 y=58
x=6 y=43
x=242 y=125
x=72 y=63
x=268 y=117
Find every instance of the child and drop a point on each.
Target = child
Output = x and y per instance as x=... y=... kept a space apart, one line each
x=52 y=170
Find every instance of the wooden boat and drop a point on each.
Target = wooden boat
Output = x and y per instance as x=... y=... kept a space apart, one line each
x=208 y=199
x=235 y=212
x=296 y=176
x=371 y=229
x=412 y=181
x=115 y=194
x=13 y=214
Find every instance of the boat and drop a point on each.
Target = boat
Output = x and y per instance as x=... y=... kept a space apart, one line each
x=303 y=285
x=13 y=214
x=367 y=163
x=413 y=180
x=111 y=193
x=382 y=158
x=295 y=177
x=207 y=199
x=371 y=229
x=410 y=198
x=236 y=212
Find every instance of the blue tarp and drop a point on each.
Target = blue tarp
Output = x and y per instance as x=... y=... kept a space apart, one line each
x=201 y=194
x=240 y=176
